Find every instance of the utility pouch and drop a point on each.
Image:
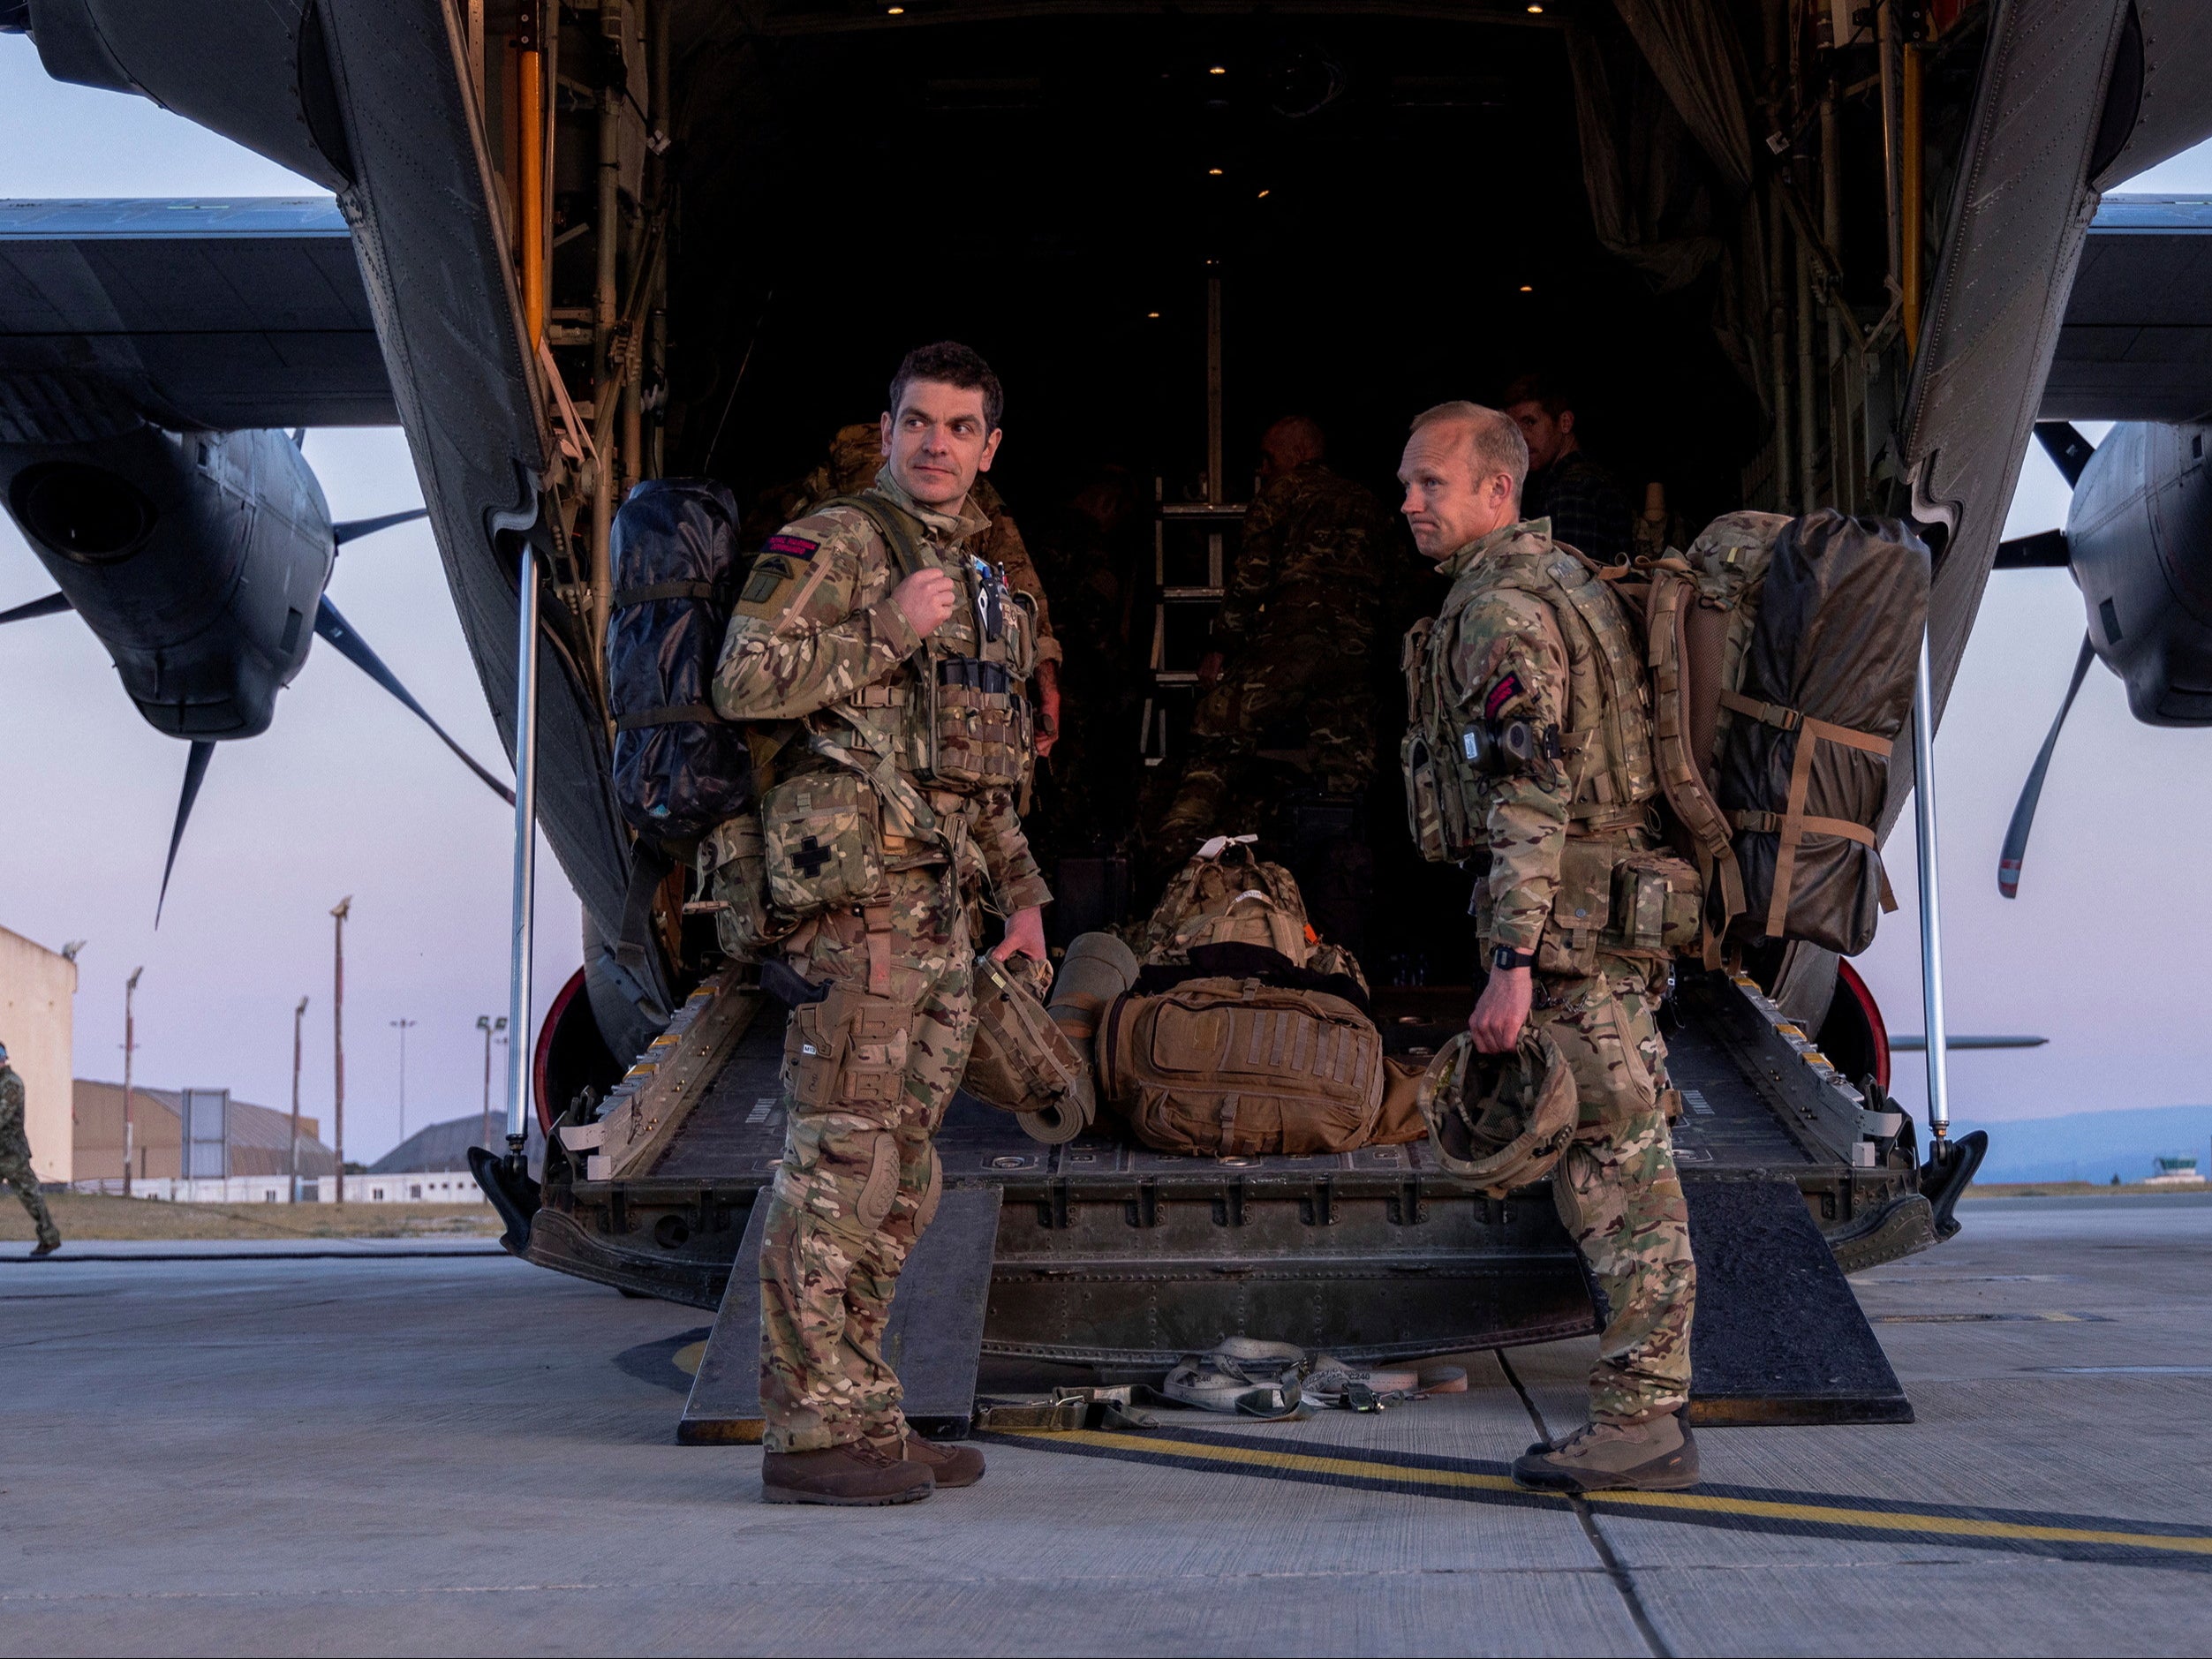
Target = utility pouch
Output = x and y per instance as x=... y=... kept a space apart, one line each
x=732 y=865
x=980 y=726
x=822 y=842
x=1436 y=807
x=848 y=1053
x=1581 y=909
x=1658 y=904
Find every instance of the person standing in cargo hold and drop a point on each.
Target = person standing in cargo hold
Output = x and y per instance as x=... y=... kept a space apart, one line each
x=1586 y=508
x=1529 y=761
x=1291 y=646
x=882 y=661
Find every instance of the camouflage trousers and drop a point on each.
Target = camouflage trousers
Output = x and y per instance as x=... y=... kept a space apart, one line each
x=1617 y=1190
x=867 y=1077
x=15 y=1171
x=1305 y=674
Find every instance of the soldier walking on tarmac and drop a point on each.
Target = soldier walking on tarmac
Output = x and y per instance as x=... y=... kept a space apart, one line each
x=15 y=1158
x=887 y=809
x=1529 y=761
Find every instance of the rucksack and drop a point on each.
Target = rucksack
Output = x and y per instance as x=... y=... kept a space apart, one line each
x=1226 y=894
x=679 y=768
x=1697 y=610
x=1827 y=688
x=1237 y=1068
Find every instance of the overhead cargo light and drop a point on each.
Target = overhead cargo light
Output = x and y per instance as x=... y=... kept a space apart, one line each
x=1527 y=288
x=1217 y=70
x=1264 y=195
x=1536 y=11
x=900 y=11
x=1213 y=172
x=1154 y=315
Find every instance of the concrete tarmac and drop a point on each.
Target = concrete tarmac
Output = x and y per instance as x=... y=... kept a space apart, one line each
x=443 y=1452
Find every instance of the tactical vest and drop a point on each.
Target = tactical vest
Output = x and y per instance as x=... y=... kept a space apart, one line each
x=882 y=775
x=1604 y=744
x=956 y=718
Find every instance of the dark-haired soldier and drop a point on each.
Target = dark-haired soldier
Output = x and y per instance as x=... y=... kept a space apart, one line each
x=889 y=809
x=1586 y=508
x=856 y=456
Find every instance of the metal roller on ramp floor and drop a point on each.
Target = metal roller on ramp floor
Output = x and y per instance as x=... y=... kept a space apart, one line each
x=934 y=1341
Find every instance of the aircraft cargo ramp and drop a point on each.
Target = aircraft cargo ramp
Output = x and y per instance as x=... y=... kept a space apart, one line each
x=1118 y=1259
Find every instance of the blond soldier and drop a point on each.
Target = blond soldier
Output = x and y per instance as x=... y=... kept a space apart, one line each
x=888 y=811
x=1530 y=760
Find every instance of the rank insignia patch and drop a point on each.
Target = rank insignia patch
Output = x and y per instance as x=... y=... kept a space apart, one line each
x=1501 y=694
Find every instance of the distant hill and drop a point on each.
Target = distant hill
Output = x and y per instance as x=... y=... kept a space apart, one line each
x=2094 y=1145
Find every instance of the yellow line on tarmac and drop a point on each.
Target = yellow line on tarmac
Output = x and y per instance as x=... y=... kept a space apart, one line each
x=1694 y=1503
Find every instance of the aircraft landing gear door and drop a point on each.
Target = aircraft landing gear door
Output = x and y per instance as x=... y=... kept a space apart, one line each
x=1193 y=552
x=521 y=1050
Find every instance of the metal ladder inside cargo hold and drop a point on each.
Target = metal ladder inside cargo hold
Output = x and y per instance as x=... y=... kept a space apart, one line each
x=1186 y=589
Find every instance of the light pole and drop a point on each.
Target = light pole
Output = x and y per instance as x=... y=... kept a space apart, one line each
x=130 y=1046
x=340 y=911
x=299 y=1014
x=402 y=1027
x=486 y=1024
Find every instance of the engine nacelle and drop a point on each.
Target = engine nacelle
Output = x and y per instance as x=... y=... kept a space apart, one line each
x=2138 y=534
x=197 y=559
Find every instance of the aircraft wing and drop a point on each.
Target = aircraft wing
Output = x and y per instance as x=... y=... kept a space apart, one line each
x=2137 y=340
x=218 y=313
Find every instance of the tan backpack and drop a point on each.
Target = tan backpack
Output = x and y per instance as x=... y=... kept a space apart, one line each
x=1226 y=894
x=1698 y=610
x=1237 y=1068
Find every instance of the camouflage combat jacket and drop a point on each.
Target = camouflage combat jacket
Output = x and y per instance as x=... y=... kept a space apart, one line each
x=817 y=646
x=1313 y=541
x=12 y=1129
x=1529 y=742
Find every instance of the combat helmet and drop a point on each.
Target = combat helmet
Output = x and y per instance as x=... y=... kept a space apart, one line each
x=1499 y=1121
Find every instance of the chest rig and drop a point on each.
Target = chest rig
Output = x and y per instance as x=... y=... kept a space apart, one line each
x=1452 y=757
x=958 y=718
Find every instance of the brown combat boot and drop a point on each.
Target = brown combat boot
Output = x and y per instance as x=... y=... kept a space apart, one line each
x=953 y=1464
x=1657 y=1456
x=854 y=1473
x=47 y=1247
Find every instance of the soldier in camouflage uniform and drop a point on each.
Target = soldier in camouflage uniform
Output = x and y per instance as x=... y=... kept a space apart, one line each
x=1530 y=759
x=15 y=1158
x=1292 y=643
x=856 y=456
x=876 y=836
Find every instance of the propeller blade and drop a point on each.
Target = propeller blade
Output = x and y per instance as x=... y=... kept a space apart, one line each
x=355 y=649
x=2008 y=863
x=2045 y=551
x=2068 y=449
x=195 y=771
x=354 y=529
x=52 y=604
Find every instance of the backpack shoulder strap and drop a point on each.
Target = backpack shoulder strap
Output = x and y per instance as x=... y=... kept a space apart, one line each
x=894 y=526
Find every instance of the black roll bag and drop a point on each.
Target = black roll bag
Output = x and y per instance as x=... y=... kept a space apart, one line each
x=1805 y=753
x=679 y=769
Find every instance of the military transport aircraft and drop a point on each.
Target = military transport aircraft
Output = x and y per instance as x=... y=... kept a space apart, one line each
x=1821 y=253
x=150 y=353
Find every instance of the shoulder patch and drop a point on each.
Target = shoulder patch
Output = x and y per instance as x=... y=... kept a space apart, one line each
x=1501 y=694
x=790 y=546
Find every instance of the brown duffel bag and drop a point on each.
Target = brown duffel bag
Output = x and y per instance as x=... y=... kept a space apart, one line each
x=1237 y=1068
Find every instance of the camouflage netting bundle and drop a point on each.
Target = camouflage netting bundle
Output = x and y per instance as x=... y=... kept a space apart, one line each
x=1827 y=689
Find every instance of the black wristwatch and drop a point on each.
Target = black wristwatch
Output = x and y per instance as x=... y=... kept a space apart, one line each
x=1506 y=958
